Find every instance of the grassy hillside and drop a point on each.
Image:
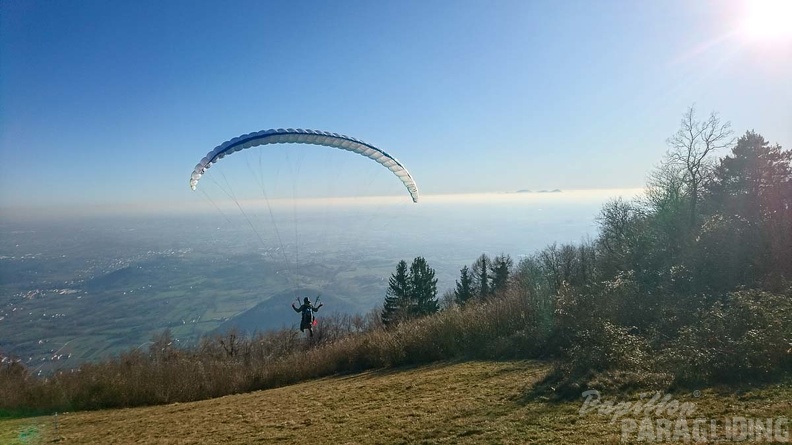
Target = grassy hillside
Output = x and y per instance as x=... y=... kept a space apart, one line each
x=468 y=402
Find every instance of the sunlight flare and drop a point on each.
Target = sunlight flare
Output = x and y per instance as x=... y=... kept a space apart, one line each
x=768 y=21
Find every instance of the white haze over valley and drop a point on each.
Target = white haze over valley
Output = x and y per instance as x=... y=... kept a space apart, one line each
x=101 y=281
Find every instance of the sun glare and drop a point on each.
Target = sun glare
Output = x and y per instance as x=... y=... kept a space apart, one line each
x=768 y=21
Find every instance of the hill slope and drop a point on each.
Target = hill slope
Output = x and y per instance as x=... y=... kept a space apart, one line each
x=276 y=311
x=470 y=402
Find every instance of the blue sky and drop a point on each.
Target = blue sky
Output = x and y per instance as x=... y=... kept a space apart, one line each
x=114 y=102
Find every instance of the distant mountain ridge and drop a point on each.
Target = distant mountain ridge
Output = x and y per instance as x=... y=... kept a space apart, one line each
x=276 y=312
x=540 y=191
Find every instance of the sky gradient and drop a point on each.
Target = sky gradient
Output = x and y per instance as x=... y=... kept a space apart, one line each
x=111 y=102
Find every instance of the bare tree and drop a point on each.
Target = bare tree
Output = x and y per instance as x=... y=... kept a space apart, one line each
x=448 y=300
x=691 y=148
x=665 y=187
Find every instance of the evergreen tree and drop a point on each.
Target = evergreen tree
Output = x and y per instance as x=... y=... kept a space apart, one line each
x=411 y=292
x=397 y=304
x=748 y=237
x=501 y=269
x=753 y=180
x=422 y=292
x=481 y=277
x=464 y=287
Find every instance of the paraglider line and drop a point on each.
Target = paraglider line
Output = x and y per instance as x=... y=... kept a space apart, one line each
x=260 y=180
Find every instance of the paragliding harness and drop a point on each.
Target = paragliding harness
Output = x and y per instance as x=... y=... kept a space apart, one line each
x=308 y=320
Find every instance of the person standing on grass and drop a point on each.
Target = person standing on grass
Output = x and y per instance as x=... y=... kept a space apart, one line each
x=307 y=309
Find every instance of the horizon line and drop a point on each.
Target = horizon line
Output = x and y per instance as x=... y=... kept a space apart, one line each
x=166 y=206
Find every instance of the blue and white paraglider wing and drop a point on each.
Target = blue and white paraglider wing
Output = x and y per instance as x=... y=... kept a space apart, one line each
x=299 y=136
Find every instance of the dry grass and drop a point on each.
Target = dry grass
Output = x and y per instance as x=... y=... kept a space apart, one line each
x=233 y=364
x=470 y=402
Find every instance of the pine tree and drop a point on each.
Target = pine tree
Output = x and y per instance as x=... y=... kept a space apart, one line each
x=481 y=277
x=748 y=238
x=422 y=291
x=397 y=304
x=464 y=287
x=411 y=293
x=501 y=268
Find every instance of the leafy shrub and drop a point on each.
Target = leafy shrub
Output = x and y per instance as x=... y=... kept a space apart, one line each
x=747 y=336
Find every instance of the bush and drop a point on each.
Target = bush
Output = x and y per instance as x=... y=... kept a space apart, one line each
x=749 y=336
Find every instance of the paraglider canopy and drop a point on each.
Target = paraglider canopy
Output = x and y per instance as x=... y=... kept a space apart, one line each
x=299 y=136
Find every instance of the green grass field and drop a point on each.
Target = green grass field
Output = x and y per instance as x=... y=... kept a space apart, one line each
x=457 y=402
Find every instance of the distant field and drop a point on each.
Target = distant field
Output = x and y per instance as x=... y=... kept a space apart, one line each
x=470 y=402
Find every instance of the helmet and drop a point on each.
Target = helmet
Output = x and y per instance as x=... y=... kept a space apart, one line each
x=306 y=300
